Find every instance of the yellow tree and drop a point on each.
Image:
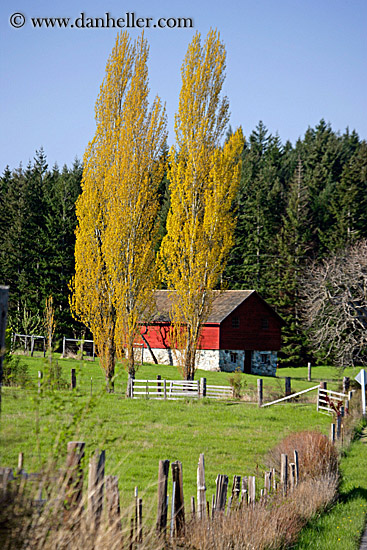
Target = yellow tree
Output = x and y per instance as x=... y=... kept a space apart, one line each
x=203 y=181
x=116 y=211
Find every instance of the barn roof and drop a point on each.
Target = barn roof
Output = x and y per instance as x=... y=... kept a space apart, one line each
x=225 y=302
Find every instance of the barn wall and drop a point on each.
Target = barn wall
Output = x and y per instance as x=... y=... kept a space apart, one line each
x=206 y=359
x=158 y=336
x=250 y=334
x=216 y=360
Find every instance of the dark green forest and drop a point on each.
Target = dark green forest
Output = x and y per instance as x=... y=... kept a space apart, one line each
x=297 y=204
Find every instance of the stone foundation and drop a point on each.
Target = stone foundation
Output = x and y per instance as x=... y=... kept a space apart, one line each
x=263 y=363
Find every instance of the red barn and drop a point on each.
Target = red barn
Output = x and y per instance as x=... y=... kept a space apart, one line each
x=242 y=332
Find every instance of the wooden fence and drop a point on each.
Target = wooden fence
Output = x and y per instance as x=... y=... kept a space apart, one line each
x=176 y=389
x=331 y=401
x=102 y=492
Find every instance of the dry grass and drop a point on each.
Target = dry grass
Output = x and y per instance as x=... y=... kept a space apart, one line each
x=271 y=524
x=317 y=456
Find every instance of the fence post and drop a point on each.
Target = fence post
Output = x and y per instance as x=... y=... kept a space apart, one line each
x=244 y=490
x=179 y=517
x=323 y=385
x=260 y=392
x=309 y=372
x=346 y=384
x=159 y=378
x=74 y=473
x=165 y=388
x=40 y=376
x=113 y=502
x=274 y=479
x=63 y=348
x=221 y=493
x=162 y=495
x=73 y=379
x=292 y=475
x=296 y=462
x=139 y=520
x=32 y=345
x=288 y=390
x=236 y=488
x=267 y=483
x=332 y=433
x=192 y=507
x=201 y=488
x=251 y=490
x=284 y=473
x=130 y=386
x=203 y=387
x=96 y=488
x=20 y=461
x=338 y=427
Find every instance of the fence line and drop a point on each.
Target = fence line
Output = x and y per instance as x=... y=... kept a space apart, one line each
x=287 y=397
x=103 y=494
x=177 y=389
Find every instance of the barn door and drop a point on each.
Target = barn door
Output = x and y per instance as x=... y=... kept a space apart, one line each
x=247 y=362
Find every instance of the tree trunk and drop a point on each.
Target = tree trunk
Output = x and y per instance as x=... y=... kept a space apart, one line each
x=111 y=358
x=131 y=359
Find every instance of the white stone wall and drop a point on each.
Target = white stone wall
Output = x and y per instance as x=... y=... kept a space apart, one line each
x=206 y=359
x=218 y=360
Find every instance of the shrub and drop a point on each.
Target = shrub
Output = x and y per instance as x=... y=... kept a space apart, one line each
x=15 y=372
x=53 y=378
x=317 y=456
x=238 y=383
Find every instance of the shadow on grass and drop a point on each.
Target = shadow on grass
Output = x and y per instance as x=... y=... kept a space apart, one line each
x=355 y=493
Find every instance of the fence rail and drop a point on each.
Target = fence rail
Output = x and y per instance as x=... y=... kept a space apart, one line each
x=331 y=401
x=177 y=389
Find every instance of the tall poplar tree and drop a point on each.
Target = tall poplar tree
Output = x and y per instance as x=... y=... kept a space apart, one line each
x=114 y=259
x=203 y=181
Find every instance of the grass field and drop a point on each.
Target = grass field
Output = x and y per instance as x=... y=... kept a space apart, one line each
x=136 y=434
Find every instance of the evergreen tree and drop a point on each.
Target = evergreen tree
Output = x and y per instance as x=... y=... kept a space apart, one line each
x=259 y=208
x=292 y=243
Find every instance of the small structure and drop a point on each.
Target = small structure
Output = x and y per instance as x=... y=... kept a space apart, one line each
x=243 y=332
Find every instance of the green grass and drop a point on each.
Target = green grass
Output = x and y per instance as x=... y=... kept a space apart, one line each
x=136 y=434
x=343 y=525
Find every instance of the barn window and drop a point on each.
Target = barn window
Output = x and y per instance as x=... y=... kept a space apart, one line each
x=235 y=322
x=233 y=357
x=264 y=358
x=264 y=323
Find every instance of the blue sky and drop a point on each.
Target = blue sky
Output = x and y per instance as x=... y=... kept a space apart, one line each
x=289 y=63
